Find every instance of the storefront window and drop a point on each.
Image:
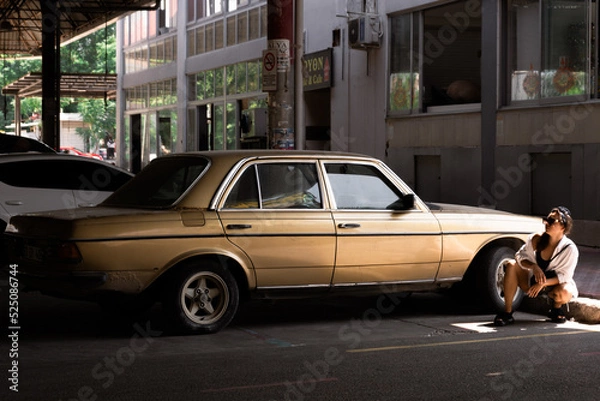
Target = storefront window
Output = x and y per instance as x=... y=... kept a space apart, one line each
x=234 y=4
x=404 y=83
x=232 y=131
x=435 y=59
x=547 y=49
x=209 y=84
x=565 y=48
x=231 y=79
x=167 y=131
x=213 y=7
x=219 y=129
x=241 y=78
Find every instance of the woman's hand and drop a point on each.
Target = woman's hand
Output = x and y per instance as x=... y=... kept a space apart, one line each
x=539 y=275
x=535 y=290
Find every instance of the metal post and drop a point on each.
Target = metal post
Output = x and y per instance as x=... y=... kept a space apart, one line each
x=280 y=37
x=299 y=52
x=17 y=115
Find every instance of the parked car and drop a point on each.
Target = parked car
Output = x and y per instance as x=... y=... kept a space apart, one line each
x=203 y=231
x=20 y=144
x=33 y=182
x=70 y=150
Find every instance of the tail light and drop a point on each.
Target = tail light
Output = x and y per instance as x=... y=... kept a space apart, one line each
x=65 y=252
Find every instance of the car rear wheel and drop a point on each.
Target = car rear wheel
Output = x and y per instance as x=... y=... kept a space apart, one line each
x=490 y=278
x=203 y=298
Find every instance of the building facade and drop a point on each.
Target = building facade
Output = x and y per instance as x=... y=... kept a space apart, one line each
x=479 y=102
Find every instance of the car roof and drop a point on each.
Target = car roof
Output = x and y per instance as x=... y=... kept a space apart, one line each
x=222 y=162
x=237 y=155
x=18 y=144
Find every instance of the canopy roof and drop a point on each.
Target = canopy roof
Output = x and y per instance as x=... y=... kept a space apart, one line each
x=21 y=21
x=71 y=85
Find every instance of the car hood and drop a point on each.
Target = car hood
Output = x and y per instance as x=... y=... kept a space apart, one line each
x=452 y=208
x=455 y=218
x=102 y=222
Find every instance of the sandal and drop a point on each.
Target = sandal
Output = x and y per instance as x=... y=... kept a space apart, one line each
x=504 y=318
x=557 y=315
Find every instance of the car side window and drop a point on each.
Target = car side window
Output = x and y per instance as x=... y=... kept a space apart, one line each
x=282 y=186
x=244 y=194
x=357 y=186
x=289 y=185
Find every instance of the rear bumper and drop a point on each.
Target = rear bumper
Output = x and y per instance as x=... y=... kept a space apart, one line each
x=76 y=285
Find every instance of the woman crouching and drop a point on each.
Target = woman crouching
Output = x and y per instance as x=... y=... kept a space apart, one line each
x=546 y=261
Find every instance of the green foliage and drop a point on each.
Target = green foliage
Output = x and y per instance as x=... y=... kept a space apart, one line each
x=10 y=71
x=30 y=105
x=102 y=118
x=94 y=53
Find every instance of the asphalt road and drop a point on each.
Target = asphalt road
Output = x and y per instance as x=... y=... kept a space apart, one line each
x=388 y=348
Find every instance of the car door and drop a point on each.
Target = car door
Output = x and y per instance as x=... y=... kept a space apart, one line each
x=274 y=212
x=377 y=242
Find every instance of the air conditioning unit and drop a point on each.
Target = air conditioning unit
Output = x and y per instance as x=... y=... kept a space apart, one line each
x=364 y=32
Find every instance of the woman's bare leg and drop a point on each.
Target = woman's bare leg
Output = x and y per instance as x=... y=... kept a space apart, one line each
x=514 y=276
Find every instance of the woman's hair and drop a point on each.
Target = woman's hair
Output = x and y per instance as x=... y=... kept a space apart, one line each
x=565 y=219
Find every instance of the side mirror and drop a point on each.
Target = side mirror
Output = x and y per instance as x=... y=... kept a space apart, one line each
x=407 y=202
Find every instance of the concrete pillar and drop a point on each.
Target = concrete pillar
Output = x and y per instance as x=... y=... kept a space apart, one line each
x=299 y=87
x=50 y=73
x=489 y=100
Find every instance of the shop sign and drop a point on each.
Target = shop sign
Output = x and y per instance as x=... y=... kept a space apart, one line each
x=317 y=70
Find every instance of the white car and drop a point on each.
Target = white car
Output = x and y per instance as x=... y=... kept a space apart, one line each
x=35 y=182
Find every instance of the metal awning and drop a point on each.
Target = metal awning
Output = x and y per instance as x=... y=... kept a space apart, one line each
x=71 y=85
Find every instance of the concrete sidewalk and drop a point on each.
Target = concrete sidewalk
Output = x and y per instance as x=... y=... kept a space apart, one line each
x=586 y=308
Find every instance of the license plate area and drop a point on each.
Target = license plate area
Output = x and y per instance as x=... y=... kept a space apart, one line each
x=33 y=253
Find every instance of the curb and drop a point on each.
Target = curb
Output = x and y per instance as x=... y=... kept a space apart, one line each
x=581 y=310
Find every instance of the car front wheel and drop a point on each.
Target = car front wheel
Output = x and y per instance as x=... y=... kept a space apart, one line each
x=490 y=278
x=203 y=298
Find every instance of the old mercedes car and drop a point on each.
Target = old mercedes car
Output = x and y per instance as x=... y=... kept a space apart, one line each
x=201 y=232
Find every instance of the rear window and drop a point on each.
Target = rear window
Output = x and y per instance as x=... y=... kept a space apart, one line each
x=161 y=184
x=17 y=144
x=59 y=173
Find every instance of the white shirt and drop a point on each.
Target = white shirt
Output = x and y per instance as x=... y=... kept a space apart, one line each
x=563 y=262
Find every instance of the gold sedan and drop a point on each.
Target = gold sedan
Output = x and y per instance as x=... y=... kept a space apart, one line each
x=203 y=231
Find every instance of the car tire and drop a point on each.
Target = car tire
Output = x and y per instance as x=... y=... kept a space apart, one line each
x=490 y=278
x=202 y=298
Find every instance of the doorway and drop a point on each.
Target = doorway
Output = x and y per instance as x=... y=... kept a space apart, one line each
x=135 y=150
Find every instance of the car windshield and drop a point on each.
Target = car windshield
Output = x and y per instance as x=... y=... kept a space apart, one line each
x=160 y=184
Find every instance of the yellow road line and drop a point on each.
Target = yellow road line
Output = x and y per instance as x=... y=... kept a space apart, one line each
x=486 y=340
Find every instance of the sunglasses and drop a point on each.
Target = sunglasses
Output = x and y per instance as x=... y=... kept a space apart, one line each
x=562 y=211
x=551 y=220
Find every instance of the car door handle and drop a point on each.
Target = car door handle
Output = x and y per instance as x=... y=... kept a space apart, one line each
x=14 y=203
x=348 y=225
x=238 y=226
